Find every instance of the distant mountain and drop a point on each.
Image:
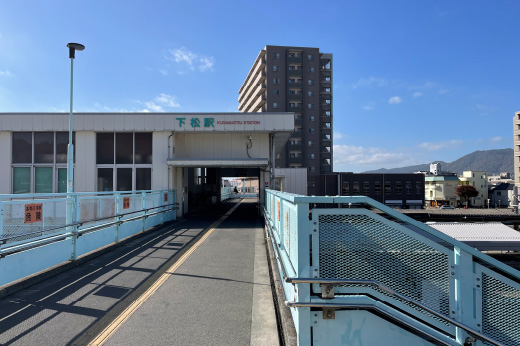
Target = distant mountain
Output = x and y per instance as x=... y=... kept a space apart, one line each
x=492 y=161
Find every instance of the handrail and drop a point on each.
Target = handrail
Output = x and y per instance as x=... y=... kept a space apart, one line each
x=387 y=289
x=3 y=240
x=365 y=307
x=56 y=237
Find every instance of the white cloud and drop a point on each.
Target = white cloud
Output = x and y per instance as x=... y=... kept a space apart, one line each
x=426 y=85
x=5 y=73
x=338 y=135
x=395 y=100
x=369 y=82
x=188 y=60
x=417 y=94
x=159 y=103
x=495 y=139
x=431 y=146
x=349 y=155
x=368 y=108
x=206 y=63
x=443 y=91
x=163 y=72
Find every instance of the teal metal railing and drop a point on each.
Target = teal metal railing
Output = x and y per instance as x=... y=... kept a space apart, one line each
x=367 y=262
x=39 y=231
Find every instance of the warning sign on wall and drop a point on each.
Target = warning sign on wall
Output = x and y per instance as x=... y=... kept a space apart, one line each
x=166 y=197
x=33 y=213
x=126 y=202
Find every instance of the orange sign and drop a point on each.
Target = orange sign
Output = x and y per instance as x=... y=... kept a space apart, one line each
x=126 y=202
x=278 y=209
x=33 y=213
x=166 y=197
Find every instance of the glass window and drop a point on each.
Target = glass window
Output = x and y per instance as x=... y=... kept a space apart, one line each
x=44 y=147
x=311 y=117
x=124 y=148
x=21 y=180
x=43 y=180
x=276 y=68
x=310 y=82
x=377 y=188
x=124 y=179
x=62 y=180
x=105 y=179
x=276 y=92
x=310 y=93
x=22 y=147
x=143 y=179
x=62 y=141
x=356 y=188
x=276 y=80
x=310 y=56
x=311 y=156
x=346 y=189
x=276 y=55
x=310 y=143
x=276 y=105
x=366 y=188
x=311 y=69
x=105 y=149
x=398 y=187
x=311 y=131
x=143 y=148
x=310 y=106
x=388 y=188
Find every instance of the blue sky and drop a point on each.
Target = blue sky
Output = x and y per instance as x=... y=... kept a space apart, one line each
x=414 y=81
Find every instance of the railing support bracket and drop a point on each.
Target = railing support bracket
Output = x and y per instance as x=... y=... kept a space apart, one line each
x=329 y=314
x=327 y=291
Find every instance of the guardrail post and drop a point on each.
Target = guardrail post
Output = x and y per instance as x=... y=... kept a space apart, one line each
x=72 y=201
x=118 y=218
x=462 y=293
x=302 y=266
x=143 y=206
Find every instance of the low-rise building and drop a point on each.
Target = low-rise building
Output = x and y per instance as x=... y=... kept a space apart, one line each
x=501 y=195
x=440 y=189
x=479 y=180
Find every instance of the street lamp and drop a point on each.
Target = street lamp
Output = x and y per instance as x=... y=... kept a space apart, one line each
x=73 y=47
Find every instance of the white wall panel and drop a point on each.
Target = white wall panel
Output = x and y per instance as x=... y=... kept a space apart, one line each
x=85 y=166
x=159 y=163
x=17 y=123
x=5 y=167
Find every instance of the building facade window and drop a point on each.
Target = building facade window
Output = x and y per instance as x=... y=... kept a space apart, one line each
x=310 y=82
x=355 y=188
x=124 y=161
x=310 y=106
x=345 y=189
x=311 y=168
x=39 y=162
x=276 y=105
x=310 y=56
x=311 y=156
x=276 y=80
x=311 y=117
x=276 y=55
x=311 y=131
x=408 y=187
x=310 y=93
x=276 y=92
x=377 y=188
x=398 y=187
x=276 y=68
x=310 y=143
x=311 y=69
x=366 y=188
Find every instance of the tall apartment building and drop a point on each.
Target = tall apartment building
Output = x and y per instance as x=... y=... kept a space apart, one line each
x=299 y=80
x=516 y=141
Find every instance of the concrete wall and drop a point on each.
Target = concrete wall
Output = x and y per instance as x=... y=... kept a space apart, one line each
x=220 y=145
x=5 y=167
x=85 y=166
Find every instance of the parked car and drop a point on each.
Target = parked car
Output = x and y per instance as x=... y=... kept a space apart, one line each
x=447 y=207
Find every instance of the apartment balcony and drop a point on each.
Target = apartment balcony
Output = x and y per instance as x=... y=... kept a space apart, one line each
x=325 y=90
x=326 y=155
x=298 y=122
x=298 y=159
x=295 y=84
x=294 y=146
x=325 y=119
x=295 y=73
x=297 y=134
x=325 y=73
x=326 y=83
x=325 y=169
x=325 y=150
x=325 y=107
x=295 y=97
x=297 y=109
x=325 y=96
x=295 y=60
x=326 y=141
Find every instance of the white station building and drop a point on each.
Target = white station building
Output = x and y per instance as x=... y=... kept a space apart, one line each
x=140 y=151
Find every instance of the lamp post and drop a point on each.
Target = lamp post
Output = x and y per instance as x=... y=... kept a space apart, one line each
x=73 y=47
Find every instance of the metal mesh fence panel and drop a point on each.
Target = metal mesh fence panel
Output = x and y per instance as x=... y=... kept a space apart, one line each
x=360 y=247
x=500 y=311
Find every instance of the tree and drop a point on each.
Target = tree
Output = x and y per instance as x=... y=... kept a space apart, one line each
x=466 y=192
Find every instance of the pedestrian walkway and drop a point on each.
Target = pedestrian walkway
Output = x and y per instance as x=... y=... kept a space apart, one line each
x=201 y=280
